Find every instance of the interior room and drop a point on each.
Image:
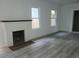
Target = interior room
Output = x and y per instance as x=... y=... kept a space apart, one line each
x=39 y=28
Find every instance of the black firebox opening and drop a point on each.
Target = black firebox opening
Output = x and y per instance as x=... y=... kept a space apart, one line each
x=18 y=37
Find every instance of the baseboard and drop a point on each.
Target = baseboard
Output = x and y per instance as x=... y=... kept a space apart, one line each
x=44 y=36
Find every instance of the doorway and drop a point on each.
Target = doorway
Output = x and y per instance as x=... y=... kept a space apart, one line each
x=76 y=21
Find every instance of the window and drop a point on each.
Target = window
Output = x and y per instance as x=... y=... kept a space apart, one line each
x=35 y=18
x=53 y=18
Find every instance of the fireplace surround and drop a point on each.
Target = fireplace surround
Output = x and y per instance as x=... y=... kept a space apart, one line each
x=10 y=27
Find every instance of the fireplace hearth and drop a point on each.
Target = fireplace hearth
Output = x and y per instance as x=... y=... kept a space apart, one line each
x=19 y=40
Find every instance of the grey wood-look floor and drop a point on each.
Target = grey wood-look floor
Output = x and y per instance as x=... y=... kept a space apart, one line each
x=60 y=45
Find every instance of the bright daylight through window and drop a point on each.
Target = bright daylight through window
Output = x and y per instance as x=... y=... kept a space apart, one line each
x=35 y=18
x=53 y=18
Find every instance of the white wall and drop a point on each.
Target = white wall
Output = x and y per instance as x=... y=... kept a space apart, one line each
x=66 y=21
x=22 y=9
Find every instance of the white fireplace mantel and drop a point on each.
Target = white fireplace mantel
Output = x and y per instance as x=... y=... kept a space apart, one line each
x=7 y=28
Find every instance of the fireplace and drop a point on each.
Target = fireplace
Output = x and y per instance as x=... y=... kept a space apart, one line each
x=18 y=37
x=15 y=32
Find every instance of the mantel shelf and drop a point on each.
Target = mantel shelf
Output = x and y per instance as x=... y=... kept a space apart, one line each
x=15 y=20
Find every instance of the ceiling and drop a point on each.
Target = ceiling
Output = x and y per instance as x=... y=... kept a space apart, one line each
x=62 y=2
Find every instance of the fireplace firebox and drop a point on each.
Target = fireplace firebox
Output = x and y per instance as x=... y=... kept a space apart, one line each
x=18 y=37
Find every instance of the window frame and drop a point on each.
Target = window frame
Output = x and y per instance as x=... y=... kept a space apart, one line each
x=54 y=18
x=37 y=26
